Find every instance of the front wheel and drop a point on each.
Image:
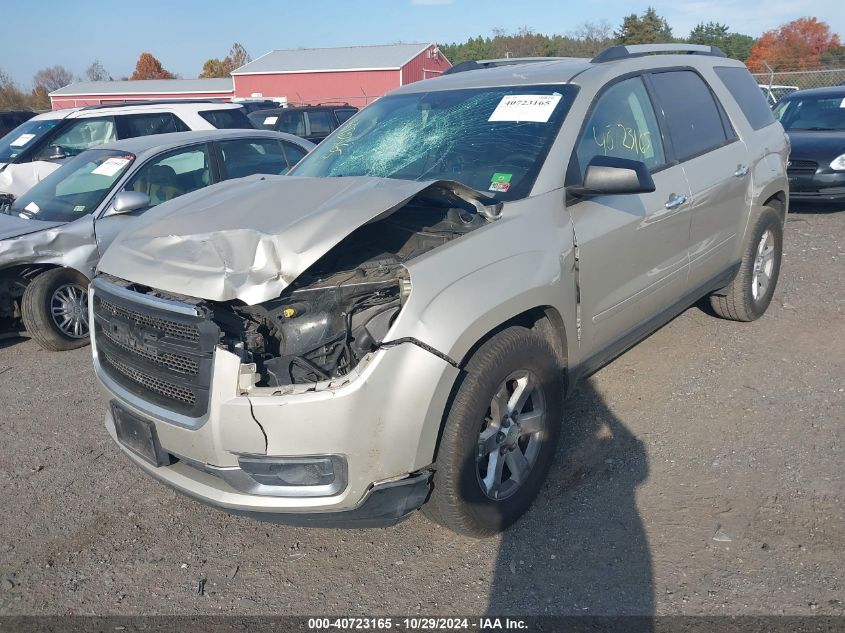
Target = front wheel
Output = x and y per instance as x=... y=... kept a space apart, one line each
x=500 y=435
x=55 y=310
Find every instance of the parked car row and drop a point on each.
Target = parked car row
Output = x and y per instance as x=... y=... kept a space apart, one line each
x=52 y=236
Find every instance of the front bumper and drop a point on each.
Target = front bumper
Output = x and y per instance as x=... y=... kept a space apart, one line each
x=382 y=420
x=825 y=185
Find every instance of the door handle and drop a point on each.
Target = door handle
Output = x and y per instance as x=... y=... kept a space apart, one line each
x=675 y=201
x=741 y=170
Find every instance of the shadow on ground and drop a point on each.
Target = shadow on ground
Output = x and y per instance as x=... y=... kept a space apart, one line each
x=582 y=549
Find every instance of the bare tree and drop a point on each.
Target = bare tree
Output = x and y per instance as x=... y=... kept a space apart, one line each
x=97 y=72
x=52 y=78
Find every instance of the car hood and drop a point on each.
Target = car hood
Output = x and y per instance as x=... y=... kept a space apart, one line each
x=821 y=146
x=248 y=239
x=15 y=226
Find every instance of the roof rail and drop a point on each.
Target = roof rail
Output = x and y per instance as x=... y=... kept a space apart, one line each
x=495 y=63
x=137 y=102
x=638 y=50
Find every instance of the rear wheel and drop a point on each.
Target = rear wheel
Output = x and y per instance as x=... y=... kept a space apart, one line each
x=749 y=294
x=55 y=309
x=500 y=435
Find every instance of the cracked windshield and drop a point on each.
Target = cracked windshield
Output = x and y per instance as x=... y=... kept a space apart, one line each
x=490 y=139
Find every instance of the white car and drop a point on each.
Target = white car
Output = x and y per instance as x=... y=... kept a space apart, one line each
x=36 y=148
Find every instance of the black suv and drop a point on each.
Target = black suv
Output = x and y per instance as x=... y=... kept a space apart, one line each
x=310 y=122
x=10 y=120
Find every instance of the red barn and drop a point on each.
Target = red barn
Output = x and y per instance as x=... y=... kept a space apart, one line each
x=84 y=93
x=354 y=74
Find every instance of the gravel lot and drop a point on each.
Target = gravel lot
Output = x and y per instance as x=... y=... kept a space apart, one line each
x=701 y=473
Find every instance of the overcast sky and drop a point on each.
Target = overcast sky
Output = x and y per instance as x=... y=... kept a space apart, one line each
x=184 y=33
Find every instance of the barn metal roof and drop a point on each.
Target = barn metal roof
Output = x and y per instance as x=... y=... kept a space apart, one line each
x=145 y=87
x=302 y=60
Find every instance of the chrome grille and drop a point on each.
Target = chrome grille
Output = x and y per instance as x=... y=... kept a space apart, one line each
x=153 y=349
x=176 y=362
x=161 y=387
x=175 y=329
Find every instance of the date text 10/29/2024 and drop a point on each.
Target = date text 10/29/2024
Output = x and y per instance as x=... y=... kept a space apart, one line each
x=417 y=624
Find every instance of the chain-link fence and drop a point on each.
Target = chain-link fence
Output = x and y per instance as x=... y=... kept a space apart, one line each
x=777 y=84
x=803 y=79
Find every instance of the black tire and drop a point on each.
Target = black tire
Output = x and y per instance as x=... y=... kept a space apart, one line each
x=458 y=500
x=736 y=301
x=36 y=309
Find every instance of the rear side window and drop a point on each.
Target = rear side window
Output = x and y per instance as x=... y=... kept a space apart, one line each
x=294 y=153
x=229 y=119
x=149 y=124
x=693 y=118
x=748 y=95
x=245 y=157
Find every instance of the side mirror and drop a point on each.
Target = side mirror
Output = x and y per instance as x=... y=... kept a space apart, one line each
x=608 y=175
x=128 y=201
x=54 y=152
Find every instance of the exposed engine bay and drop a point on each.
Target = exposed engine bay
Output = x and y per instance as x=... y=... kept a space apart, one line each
x=341 y=308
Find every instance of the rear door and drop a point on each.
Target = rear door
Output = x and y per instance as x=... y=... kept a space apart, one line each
x=320 y=125
x=632 y=248
x=716 y=165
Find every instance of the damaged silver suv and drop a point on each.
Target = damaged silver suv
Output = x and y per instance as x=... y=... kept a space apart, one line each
x=395 y=325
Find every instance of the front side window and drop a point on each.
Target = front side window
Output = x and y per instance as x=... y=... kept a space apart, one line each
x=245 y=157
x=320 y=122
x=25 y=136
x=149 y=124
x=264 y=120
x=292 y=123
x=344 y=115
x=489 y=139
x=812 y=113
x=693 y=119
x=76 y=188
x=173 y=174
x=623 y=125
x=82 y=134
x=228 y=119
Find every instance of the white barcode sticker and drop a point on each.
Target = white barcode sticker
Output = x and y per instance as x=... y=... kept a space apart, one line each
x=535 y=108
x=22 y=140
x=271 y=120
x=110 y=166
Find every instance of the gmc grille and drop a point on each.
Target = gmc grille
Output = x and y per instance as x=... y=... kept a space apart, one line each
x=161 y=356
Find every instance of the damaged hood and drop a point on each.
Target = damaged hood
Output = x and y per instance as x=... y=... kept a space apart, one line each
x=15 y=226
x=248 y=239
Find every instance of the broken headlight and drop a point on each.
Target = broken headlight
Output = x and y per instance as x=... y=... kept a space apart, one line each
x=320 y=330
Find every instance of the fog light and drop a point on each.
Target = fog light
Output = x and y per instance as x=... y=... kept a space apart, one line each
x=294 y=471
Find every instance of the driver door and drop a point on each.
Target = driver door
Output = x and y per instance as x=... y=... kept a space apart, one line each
x=632 y=248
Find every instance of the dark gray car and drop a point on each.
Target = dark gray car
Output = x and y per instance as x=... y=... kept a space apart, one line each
x=52 y=236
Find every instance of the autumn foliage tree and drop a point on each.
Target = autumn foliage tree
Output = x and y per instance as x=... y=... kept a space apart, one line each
x=148 y=67
x=236 y=58
x=799 y=45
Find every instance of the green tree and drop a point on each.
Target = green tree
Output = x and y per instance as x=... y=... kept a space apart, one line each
x=648 y=28
x=735 y=45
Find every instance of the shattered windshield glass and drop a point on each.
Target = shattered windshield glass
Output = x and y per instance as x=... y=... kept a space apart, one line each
x=490 y=139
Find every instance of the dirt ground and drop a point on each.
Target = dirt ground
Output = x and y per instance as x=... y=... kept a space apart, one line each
x=700 y=473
